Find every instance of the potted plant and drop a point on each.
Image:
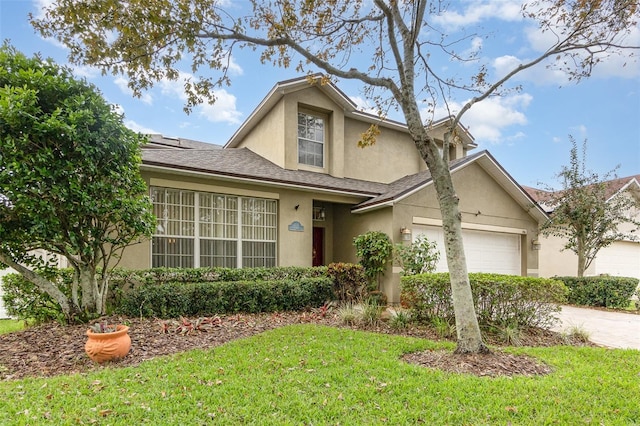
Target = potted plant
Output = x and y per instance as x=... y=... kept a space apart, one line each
x=107 y=342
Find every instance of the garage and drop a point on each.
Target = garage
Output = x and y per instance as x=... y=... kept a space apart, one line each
x=486 y=251
x=620 y=259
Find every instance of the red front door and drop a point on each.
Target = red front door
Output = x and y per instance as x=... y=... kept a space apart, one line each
x=318 y=246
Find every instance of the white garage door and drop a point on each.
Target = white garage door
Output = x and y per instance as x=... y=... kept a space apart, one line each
x=485 y=251
x=620 y=259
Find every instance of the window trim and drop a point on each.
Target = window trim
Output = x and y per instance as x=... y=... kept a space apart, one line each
x=197 y=237
x=325 y=127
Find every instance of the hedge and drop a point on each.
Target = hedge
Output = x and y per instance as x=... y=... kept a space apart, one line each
x=602 y=291
x=171 y=300
x=499 y=299
x=25 y=301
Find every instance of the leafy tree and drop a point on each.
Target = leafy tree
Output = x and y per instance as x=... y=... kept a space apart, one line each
x=392 y=46
x=374 y=249
x=419 y=257
x=69 y=179
x=585 y=214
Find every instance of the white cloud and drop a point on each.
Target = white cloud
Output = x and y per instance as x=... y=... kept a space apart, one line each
x=579 y=131
x=40 y=6
x=477 y=11
x=121 y=82
x=140 y=128
x=614 y=63
x=234 y=67
x=364 y=105
x=84 y=71
x=223 y=110
x=487 y=120
x=538 y=74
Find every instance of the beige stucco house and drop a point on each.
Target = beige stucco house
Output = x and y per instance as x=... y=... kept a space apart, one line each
x=292 y=187
x=622 y=258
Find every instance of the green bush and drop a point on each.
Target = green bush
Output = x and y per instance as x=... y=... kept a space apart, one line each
x=125 y=280
x=349 y=281
x=374 y=249
x=499 y=299
x=24 y=301
x=603 y=291
x=171 y=300
x=419 y=257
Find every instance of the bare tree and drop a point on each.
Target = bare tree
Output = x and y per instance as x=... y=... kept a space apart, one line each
x=389 y=45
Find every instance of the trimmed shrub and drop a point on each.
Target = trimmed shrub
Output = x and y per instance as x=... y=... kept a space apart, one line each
x=603 y=291
x=125 y=280
x=349 y=281
x=499 y=299
x=171 y=300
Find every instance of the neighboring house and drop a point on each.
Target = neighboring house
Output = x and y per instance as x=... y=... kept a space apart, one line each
x=292 y=188
x=47 y=256
x=3 y=272
x=622 y=258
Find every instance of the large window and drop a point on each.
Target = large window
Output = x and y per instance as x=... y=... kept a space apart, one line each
x=198 y=229
x=310 y=140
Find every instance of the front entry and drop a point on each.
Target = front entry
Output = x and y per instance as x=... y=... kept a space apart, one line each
x=318 y=246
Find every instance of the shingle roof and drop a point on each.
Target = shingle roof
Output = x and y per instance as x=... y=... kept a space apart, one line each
x=241 y=163
x=158 y=141
x=612 y=187
x=410 y=183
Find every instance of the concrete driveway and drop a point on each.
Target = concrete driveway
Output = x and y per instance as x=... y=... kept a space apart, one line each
x=605 y=328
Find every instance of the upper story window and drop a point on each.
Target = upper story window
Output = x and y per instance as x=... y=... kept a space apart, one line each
x=310 y=140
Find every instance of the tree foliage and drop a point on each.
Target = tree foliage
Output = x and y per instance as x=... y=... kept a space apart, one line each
x=391 y=46
x=419 y=257
x=69 y=178
x=585 y=214
x=374 y=250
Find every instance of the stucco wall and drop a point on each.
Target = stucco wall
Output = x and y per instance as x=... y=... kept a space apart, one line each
x=393 y=156
x=271 y=129
x=294 y=248
x=483 y=202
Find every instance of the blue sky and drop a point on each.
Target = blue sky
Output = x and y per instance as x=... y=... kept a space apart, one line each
x=527 y=132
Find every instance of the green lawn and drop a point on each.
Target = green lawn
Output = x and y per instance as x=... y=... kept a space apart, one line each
x=308 y=374
x=9 y=325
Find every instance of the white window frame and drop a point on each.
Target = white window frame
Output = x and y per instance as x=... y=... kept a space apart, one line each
x=306 y=137
x=242 y=232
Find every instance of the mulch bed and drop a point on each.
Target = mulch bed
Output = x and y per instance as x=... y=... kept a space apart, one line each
x=51 y=349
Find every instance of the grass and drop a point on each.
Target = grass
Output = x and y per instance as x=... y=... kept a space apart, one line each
x=308 y=374
x=9 y=325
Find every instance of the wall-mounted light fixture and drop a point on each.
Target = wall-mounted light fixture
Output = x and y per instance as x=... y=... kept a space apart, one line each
x=405 y=233
x=535 y=244
x=319 y=214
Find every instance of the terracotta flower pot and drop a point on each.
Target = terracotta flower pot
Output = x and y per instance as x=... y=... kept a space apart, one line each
x=103 y=347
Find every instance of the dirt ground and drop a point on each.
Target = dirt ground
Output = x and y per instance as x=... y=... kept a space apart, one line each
x=51 y=349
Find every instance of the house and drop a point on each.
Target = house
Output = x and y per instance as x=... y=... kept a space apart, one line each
x=3 y=312
x=622 y=258
x=292 y=188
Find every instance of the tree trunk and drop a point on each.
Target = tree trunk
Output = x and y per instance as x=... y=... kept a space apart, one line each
x=467 y=327
x=581 y=258
x=91 y=294
x=46 y=286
